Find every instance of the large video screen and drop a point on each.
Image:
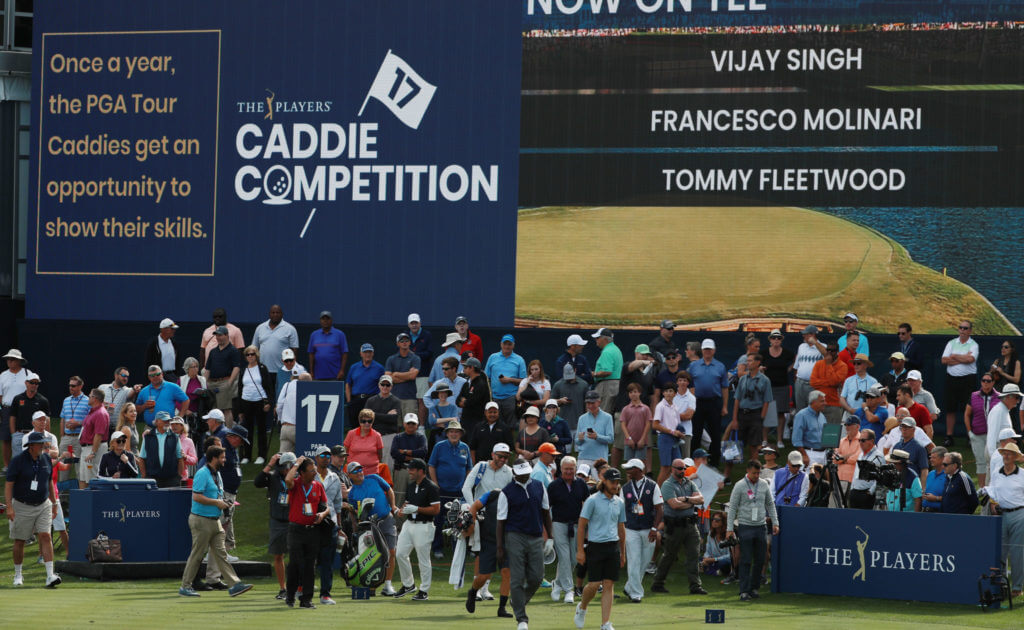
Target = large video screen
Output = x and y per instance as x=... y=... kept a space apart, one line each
x=531 y=162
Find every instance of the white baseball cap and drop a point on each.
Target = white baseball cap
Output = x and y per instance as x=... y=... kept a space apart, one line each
x=575 y=340
x=215 y=414
x=287 y=354
x=914 y=375
x=552 y=402
x=501 y=447
x=115 y=435
x=522 y=468
x=39 y=414
x=411 y=418
x=167 y=322
x=707 y=343
x=634 y=463
x=414 y=317
x=491 y=405
x=532 y=411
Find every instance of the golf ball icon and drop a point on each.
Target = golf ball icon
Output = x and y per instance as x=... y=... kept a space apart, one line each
x=277 y=183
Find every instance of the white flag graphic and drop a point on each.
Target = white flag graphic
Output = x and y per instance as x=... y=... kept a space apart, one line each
x=402 y=90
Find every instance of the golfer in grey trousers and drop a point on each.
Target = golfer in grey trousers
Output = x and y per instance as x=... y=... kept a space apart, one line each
x=523 y=516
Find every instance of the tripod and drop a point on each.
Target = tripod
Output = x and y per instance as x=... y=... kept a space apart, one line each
x=832 y=473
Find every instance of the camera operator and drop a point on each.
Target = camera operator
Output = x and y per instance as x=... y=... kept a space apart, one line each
x=820 y=491
x=906 y=497
x=272 y=478
x=750 y=505
x=863 y=490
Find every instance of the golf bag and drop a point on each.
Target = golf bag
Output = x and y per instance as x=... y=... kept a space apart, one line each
x=364 y=556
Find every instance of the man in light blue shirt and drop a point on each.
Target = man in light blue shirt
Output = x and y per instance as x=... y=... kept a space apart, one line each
x=807 y=427
x=504 y=370
x=594 y=431
x=272 y=337
x=850 y=321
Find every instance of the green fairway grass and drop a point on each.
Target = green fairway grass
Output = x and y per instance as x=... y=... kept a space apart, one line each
x=637 y=265
x=155 y=604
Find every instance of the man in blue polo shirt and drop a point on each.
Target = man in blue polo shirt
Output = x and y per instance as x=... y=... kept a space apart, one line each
x=711 y=387
x=361 y=383
x=505 y=369
x=449 y=463
x=161 y=395
x=207 y=532
x=328 y=350
x=72 y=415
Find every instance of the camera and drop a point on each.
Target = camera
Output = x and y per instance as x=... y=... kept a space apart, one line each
x=885 y=474
x=729 y=542
x=983 y=497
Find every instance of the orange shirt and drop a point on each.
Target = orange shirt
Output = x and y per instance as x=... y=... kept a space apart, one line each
x=828 y=379
x=850 y=449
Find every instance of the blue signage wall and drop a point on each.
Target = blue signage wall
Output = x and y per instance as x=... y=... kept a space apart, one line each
x=908 y=556
x=152 y=525
x=261 y=151
x=319 y=415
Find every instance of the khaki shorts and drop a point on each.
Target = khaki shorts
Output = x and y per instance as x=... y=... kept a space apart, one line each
x=620 y=436
x=226 y=393
x=88 y=470
x=31 y=519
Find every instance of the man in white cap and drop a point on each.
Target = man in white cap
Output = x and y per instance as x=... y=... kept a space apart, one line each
x=1007 y=491
x=452 y=348
x=711 y=387
x=24 y=406
x=850 y=322
x=523 y=517
x=907 y=496
x=608 y=369
x=644 y=513
x=573 y=356
x=923 y=396
x=960 y=356
x=163 y=351
x=999 y=417
x=12 y=383
x=486 y=475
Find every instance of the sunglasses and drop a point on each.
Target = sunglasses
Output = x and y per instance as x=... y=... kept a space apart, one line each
x=289 y=361
x=895 y=360
x=858 y=363
x=1006 y=347
x=987 y=380
x=678 y=468
x=74 y=384
x=357 y=471
x=324 y=455
x=123 y=374
x=121 y=440
x=250 y=354
x=863 y=440
x=366 y=422
x=964 y=327
x=384 y=385
x=501 y=455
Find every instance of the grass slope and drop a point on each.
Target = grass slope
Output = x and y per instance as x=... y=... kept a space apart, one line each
x=636 y=265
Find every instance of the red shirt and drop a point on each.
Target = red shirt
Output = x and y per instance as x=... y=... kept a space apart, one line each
x=847 y=358
x=98 y=421
x=920 y=414
x=299 y=495
x=475 y=345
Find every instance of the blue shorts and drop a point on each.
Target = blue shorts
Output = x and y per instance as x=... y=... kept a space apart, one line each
x=5 y=424
x=668 y=449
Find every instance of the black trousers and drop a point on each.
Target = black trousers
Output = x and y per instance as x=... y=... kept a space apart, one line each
x=303 y=548
x=254 y=419
x=708 y=415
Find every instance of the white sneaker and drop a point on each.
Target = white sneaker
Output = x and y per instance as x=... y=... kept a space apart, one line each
x=580 y=617
x=607 y=626
x=259 y=461
x=556 y=592
x=245 y=460
x=779 y=444
x=568 y=597
x=53 y=581
x=388 y=591
x=232 y=558
x=19 y=580
x=523 y=626
x=484 y=595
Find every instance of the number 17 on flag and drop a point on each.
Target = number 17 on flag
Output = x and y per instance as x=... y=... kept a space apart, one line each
x=402 y=90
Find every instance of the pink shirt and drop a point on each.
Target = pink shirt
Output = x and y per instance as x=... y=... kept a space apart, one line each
x=188 y=451
x=97 y=421
x=234 y=338
x=634 y=418
x=364 y=449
